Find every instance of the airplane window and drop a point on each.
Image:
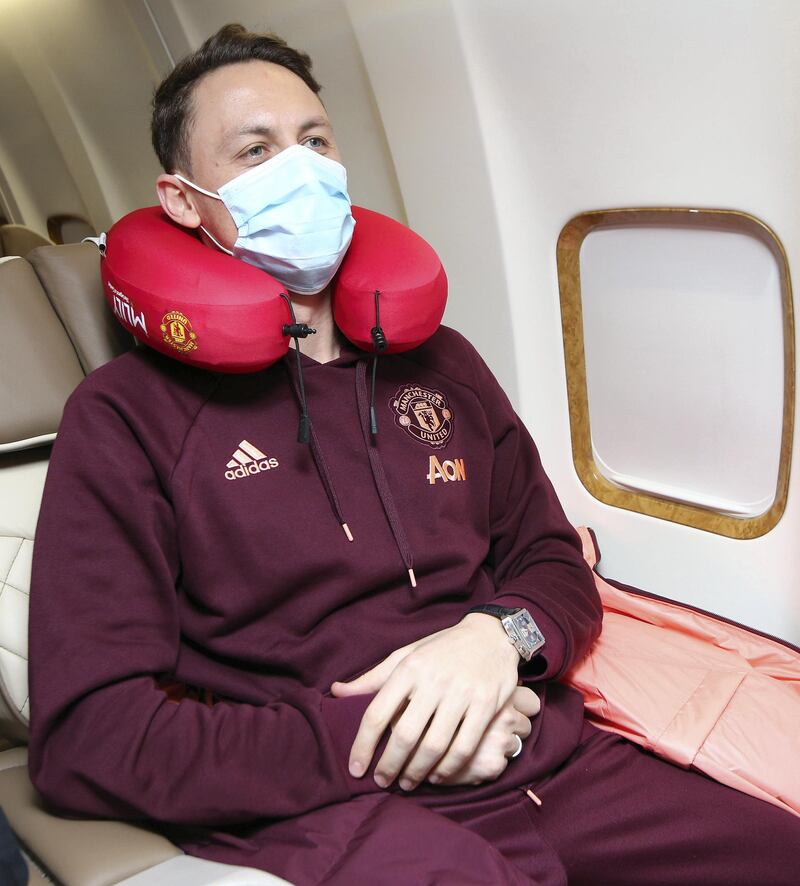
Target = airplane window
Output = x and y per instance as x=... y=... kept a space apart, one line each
x=679 y=350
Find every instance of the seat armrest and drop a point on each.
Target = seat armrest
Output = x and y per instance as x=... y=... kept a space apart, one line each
x=76 y=852
x=189 y=871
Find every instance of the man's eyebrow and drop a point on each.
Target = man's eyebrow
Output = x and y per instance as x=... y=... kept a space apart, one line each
x=269 y=132
x=252 y=129
x=314 y=123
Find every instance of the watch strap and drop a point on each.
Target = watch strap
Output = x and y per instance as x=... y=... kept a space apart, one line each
x=490 y=609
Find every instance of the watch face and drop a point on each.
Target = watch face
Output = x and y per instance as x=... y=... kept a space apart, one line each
x=527 y=631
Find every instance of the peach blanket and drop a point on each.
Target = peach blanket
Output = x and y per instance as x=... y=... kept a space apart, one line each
x=695 y=690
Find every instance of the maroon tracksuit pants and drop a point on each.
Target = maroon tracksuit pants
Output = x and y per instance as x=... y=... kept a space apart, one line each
x=611 y=815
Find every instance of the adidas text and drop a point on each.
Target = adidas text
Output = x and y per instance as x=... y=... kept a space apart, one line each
x=253 y=468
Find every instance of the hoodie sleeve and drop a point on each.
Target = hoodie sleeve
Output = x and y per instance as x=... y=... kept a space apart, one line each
x=535 y=553
x=105 y=740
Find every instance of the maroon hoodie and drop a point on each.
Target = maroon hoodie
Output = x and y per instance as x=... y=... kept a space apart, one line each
x=186 y=535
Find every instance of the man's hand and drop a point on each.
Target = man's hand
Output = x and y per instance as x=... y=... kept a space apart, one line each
x=498 y=743
x=439 y=696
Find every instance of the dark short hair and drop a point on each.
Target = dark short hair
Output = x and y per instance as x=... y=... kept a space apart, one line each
x=172 y=102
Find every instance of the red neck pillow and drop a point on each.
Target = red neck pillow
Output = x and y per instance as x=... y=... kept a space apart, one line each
x=203 y=307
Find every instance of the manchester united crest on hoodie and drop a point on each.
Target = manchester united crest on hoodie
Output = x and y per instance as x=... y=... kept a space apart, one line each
x=424 y=413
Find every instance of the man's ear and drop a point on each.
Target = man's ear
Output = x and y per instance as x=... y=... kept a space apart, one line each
x=177 y=200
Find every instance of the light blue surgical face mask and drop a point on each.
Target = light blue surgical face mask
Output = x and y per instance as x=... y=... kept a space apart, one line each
x=293 y=217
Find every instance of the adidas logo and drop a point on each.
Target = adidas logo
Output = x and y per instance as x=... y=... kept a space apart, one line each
x=248 y=459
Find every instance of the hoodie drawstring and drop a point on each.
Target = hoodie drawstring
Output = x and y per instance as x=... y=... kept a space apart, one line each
x=316 y=451
x=366 y=412
x=297 y=331
x=327 y=482
x=379 y=475
x=379 y=340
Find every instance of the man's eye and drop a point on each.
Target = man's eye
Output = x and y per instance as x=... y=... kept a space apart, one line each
x=255 y=153
x=315 y=141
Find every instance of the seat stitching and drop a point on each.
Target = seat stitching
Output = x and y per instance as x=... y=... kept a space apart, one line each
x=11 y=566
x=12 y=652
x=2 y=590
x=6 y=694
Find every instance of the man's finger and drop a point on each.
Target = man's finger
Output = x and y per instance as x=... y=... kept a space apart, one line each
x=406 y=735
x=523 y=726
x=526 y=701
x=434 y=744
x=377 y=717
x=466 y=740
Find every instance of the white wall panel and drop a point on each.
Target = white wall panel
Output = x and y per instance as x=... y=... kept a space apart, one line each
x=589 y=105
x=418 y=67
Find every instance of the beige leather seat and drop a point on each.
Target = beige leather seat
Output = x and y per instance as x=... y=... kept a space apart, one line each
x=54 y=329
x=19 y=240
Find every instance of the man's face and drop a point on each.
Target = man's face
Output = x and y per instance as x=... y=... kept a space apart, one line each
x=243 y=114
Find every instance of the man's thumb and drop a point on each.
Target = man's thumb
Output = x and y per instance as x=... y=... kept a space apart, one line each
x=373 y=679
x=366 y=684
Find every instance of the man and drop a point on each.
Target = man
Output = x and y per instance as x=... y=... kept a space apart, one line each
x=362 y=724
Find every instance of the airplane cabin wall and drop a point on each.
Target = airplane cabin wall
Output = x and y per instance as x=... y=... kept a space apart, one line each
x=485 y=126
x=34 y=175
x=601 y=105
x=81 y=145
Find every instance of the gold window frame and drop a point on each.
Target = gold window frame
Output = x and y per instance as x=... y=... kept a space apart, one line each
x=569 y=281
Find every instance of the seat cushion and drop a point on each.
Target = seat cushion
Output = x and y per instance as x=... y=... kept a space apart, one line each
x=92 y=853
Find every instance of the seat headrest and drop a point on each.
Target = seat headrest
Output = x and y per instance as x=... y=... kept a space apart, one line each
x=70 y=276
x=38 y=365
x=19 y=240
x=55 y=328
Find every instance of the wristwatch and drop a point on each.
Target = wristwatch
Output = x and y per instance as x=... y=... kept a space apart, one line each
x=522 y=630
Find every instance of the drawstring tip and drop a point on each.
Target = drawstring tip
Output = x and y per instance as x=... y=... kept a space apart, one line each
x=347 y=531
x=373 y=420
x=302 y=430
x=412 y=578
x=533 y=797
